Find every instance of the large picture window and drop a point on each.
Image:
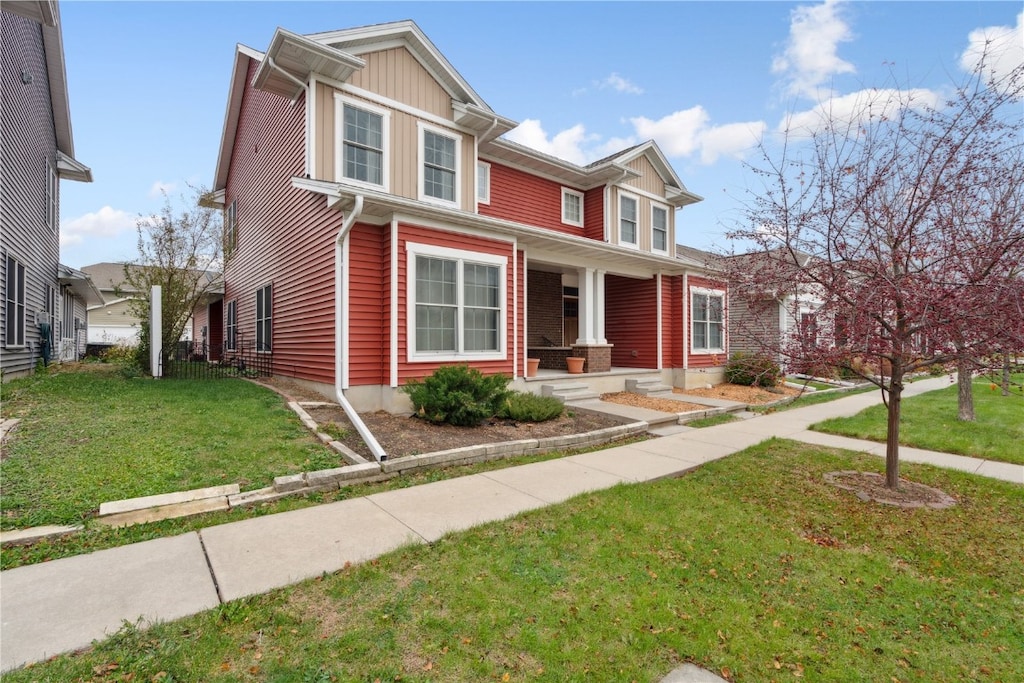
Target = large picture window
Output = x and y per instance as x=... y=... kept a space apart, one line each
x=439 y=166
x=14 y=335
x=362 y=130
x=458 y=303
x=231 y=325
x=708 y=320
x=627 y=221
x=264 y=318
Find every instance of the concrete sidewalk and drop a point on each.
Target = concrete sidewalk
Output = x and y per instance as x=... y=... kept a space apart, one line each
x=66 y=604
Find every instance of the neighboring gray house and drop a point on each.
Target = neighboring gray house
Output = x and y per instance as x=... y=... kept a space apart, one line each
x=111 y=320
x=39 y=298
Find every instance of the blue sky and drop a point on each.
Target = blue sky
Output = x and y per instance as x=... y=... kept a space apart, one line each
x=148 y=83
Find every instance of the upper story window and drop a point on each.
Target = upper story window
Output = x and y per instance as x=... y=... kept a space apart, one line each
x=439 y=166
x=628 y=220
x=264 y=318
x=483 y=182
x=52 y=197
x=15 y=303
x=231 y=325
x=457 y=304
x=708 y=320
x=572 y=207
x=363 y=132
x=659 y=229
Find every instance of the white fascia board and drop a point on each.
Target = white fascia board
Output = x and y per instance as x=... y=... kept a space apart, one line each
x=237 y=88
x=72 y=169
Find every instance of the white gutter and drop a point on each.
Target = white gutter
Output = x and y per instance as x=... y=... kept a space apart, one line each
x=339 y=336
x=290 y=77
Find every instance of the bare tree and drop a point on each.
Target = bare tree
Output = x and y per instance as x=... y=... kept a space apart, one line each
x=180 y=250
x=885 y=220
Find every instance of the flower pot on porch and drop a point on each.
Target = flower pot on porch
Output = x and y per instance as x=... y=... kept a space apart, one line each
x=575 y=364
x=531 y=366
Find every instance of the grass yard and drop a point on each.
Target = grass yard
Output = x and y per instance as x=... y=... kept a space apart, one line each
x=91 y=435
x=810 y=399
x=929 y=421
x=751 y=566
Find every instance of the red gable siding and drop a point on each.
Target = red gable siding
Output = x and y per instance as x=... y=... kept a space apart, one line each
x=631 y=321
x=519 y=196
x=413 y=233
x=285 y=237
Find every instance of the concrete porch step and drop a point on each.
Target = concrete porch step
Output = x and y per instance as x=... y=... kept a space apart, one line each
x=577 y=391
x=647 y=387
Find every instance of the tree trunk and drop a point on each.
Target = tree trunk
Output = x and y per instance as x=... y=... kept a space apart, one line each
x=1006 y=373
x=965 y=395
x=892 y=436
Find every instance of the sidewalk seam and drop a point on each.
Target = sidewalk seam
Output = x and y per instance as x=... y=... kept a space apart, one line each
x=209 y=566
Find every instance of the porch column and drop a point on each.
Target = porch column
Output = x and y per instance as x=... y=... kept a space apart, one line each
x=599 y=307
x=586 y=307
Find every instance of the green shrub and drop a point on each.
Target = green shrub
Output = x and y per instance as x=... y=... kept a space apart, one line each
x=457 y=395
x=752 y=371
x=525 y=407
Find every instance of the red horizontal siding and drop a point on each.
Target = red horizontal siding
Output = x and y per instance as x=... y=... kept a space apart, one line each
x=631 y=321
x=593 y=214
x=524 y=198
x=672 y=317
x=412 y=233
x=368 y=327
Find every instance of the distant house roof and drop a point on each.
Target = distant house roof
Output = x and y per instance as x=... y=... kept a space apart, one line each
x=109 y=277
x=80 y=283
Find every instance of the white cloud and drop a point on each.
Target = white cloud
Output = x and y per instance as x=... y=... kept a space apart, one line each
x=160 y=188
x=105 y=223
x=687 y=132
x=855 y=107
x=1002 y=47
x=567 y=145
x=810 y=57
x=620 y=84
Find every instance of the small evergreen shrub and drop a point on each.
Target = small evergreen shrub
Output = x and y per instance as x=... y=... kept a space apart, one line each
x=525 y=407
x=457 y=395
x=752 y=370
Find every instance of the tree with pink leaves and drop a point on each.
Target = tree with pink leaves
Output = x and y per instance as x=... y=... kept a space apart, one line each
x=895 y=233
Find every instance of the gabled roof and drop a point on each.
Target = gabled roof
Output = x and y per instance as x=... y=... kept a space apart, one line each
x=675 y=191
x=47 y=13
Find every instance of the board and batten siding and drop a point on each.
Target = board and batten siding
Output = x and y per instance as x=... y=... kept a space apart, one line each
x=524 y=198
x=28 y=140
x=285 y=238
x=649 y=180
x=644 y=226
x=466 y=242
x=631 y=321
x=698 y=359
x=394 y=73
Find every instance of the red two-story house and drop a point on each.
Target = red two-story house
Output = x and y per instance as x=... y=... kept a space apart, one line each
x=378 y=226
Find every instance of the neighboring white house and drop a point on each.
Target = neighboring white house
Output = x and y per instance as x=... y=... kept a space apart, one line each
x=112 y=322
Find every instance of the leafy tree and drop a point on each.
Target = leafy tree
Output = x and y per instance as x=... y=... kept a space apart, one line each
x=179 y=250
x=902 y=222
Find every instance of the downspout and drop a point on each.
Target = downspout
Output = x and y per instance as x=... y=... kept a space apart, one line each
x=290 y=77
x=339 y=337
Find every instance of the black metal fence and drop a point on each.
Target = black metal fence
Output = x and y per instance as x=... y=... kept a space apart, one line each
x=200 y=360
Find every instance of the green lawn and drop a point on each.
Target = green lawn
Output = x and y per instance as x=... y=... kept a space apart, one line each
x=929 y=421
x=92 y=435
x=810 y=399
x=751 y=566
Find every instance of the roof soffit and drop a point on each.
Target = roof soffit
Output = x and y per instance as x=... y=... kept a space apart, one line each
x=291 y=59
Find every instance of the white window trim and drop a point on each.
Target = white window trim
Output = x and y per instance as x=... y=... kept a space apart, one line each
x=52 y=197
x=231 y=340
x=20 y=321
x=618 y=221
x=655 y=207
x=483 y=190
x=707 y=292
x=269 y=311
x=566 y=192
x=339 y=136
x=231 y=220
x=416 y=249
x=421 y=128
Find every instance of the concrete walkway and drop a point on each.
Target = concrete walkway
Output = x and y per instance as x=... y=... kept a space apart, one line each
x=64 y=605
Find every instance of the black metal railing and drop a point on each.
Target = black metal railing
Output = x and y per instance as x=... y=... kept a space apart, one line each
x=201 y=360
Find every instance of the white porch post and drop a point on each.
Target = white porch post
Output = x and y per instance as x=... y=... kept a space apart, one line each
x=586 y=307
x=599 y=307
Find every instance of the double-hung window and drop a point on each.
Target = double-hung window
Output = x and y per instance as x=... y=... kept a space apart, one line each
x=15 y=304
x=628 y=220
x=231 y=325
x=572 y=207
x=264 y=318
x=457 y=299
x=708 y=320
x=439 y=165
x=483 y=182
x=230 y=228
x=52 y=197
x=362 y=130
x=659 y=229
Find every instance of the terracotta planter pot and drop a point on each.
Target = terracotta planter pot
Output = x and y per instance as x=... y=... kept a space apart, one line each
x=531 y=366
x=575 y=365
